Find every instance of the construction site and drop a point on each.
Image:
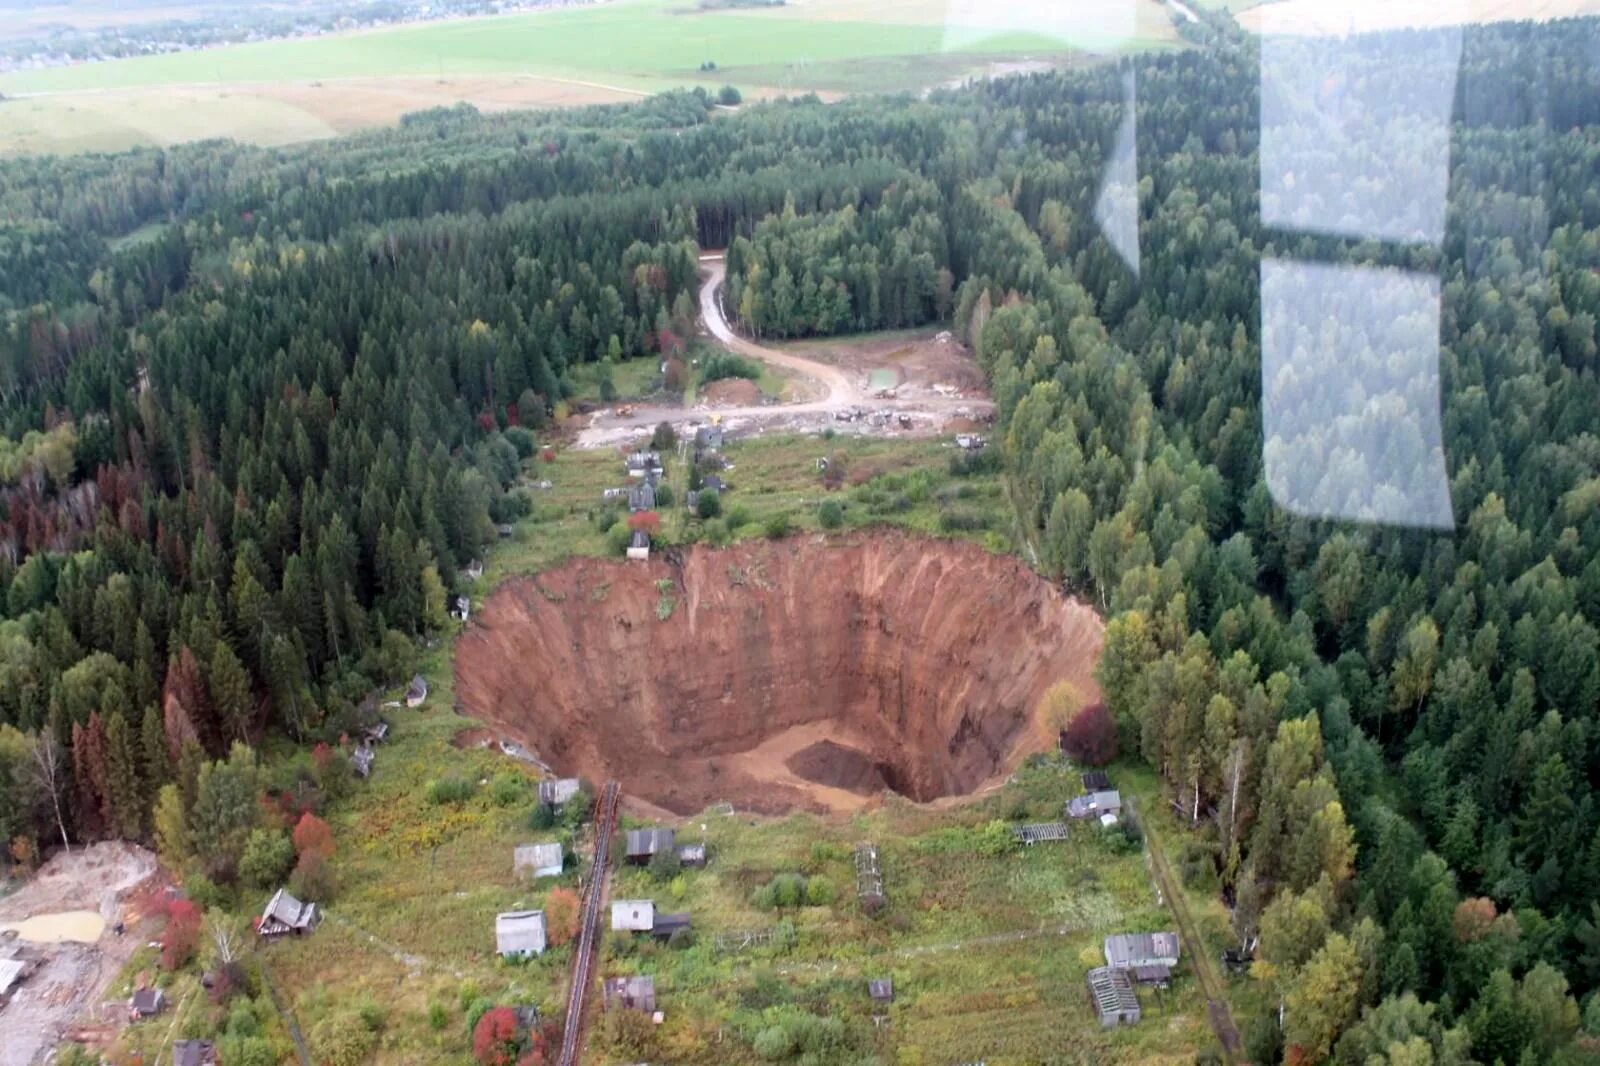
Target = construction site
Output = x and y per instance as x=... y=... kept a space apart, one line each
x=65 y=935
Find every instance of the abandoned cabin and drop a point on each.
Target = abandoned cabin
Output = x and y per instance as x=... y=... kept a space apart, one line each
x=639 y=546
x=642 y=497
x=537 y=860
x=558 y=791
x=713 y=483
x=361 y=759
x=474 y=570
x=146 y=1003
x=1112 y=994
x=644 y=843
x=460 y=608
x=504 y=531
x=692 y=854
x=666 y=924
x=881 y=990
x=194 y=1053
x=285 y=916
x=417 y=691
x=1096 y=781
x=518 y=934
x=376 y=733
x=1127 y=951
x=1095 y=805
x=633 y=915
x=629 y=993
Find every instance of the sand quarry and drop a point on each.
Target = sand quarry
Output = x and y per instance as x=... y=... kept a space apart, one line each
x=61 y=916
x=808 y=673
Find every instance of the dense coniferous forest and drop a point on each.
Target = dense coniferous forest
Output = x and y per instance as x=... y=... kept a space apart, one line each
x=243 y=457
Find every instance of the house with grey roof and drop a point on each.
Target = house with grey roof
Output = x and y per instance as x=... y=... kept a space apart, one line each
x=519 y=933
x=644 y=843
x=1095 y=805
x=286 y=916
x=1125 y=951
x=642 y=497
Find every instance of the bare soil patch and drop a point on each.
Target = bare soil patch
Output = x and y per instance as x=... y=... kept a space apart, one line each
x=917 y=362
x=804 y=673
x=732 y=392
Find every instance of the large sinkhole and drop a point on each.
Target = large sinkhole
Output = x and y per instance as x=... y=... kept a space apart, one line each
x=802 y=673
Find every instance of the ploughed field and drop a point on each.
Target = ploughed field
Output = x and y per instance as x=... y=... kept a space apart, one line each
x=802 y=673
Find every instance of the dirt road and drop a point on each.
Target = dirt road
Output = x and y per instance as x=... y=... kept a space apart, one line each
x=837 y=391
x=1215 y=989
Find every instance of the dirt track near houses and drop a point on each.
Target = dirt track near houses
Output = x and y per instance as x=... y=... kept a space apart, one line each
x=839 y=390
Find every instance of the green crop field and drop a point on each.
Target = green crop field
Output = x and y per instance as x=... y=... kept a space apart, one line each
x=281 y=91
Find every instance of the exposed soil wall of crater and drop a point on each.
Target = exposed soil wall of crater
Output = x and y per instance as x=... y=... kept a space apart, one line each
x=798 y=673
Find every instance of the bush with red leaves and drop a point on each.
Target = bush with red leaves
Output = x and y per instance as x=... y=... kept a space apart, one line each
x=1091 y=736
x=181 y=935
x=646 y=521
x=313 y=837
x=494 y=1041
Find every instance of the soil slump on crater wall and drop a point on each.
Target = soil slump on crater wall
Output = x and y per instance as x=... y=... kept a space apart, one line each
x=775 y=675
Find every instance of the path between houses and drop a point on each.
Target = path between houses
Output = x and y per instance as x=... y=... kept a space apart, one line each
x=413 y=963
x=1212 y=985
x=287 y=1015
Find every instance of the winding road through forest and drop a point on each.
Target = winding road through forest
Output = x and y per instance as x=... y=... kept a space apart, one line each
x=837 y=390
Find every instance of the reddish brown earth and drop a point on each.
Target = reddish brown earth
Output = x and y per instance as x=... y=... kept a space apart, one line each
x=806 y=672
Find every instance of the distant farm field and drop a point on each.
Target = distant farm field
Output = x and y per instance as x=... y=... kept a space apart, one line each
x=286 y=90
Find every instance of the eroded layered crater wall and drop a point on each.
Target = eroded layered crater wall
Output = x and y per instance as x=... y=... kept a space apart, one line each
x=784 y=674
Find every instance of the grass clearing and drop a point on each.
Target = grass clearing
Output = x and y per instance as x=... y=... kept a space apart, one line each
x=637 y=38
x=282 y=91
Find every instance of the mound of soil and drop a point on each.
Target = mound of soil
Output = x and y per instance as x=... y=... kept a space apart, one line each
x=732 y=392
x=780 y=674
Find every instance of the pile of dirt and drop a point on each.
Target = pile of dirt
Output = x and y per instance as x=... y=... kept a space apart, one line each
x=807 y=672
x=731 y=392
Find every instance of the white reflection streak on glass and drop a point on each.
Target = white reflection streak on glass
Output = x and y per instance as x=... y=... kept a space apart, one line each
x=1116 y=210
x=1350 y=393
x=1355 y=132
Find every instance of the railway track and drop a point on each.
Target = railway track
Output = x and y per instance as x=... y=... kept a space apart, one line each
x=605 y=824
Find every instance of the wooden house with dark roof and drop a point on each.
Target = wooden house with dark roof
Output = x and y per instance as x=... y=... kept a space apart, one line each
x=287 y=916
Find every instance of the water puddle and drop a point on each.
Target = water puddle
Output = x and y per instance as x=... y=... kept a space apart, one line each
x=83 y=927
